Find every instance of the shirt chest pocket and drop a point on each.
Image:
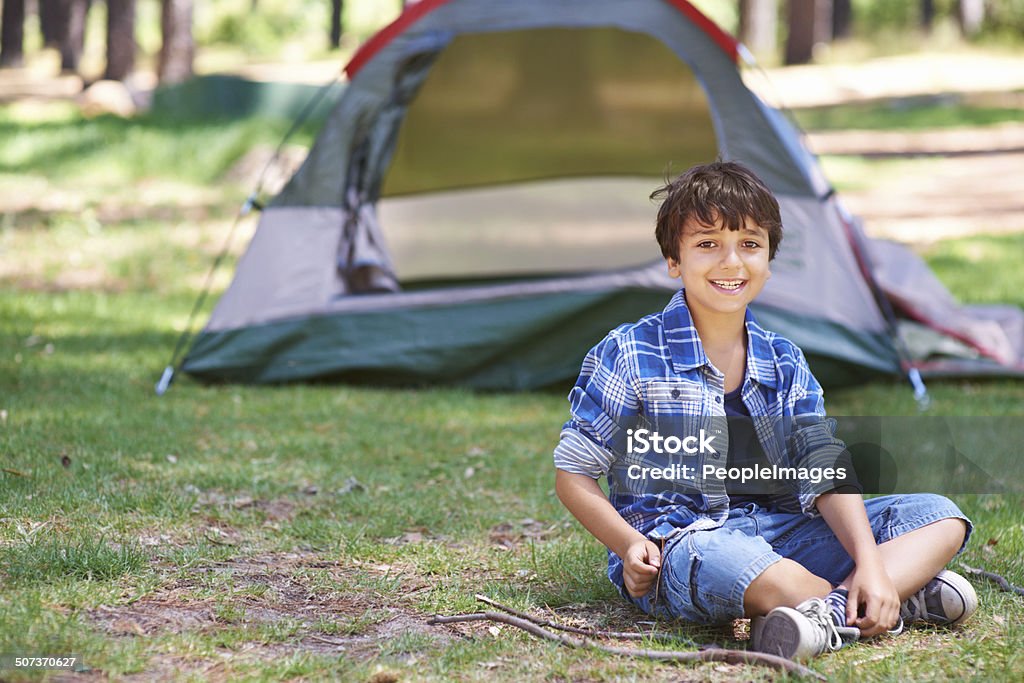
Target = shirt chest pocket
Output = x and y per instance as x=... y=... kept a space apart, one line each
x=673 y=398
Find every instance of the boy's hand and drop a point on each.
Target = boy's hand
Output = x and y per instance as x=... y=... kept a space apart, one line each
x=641 y=564
x=872 y=593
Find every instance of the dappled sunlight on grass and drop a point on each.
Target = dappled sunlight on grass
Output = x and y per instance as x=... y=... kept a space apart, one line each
x=982 y=269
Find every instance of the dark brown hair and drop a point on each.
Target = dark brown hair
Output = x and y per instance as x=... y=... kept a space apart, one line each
x=723 y=190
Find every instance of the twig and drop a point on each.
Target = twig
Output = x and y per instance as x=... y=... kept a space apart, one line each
x=329 y=641
x=597 y=633
x=998 y=579
x=15 y=473
x=709 y=655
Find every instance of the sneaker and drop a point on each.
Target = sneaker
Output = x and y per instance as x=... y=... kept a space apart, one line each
x=948 y=599
x=800 y=633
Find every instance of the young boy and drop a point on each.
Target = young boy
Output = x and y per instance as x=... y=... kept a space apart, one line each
x=814 y=567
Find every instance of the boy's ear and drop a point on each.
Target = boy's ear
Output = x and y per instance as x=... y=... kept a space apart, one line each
x=673 y=268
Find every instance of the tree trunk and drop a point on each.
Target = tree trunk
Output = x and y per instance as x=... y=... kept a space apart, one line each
x=810 y=24
x=970 y=14
x=12 y=33
x=927 y=15
x=759 y=25
x=51 y=22
x=336 y=7
x=842 y=18
x=178 y=50
x=120 y=39
x=72 y=15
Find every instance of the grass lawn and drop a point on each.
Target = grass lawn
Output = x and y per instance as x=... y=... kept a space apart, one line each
x=915 y=113
x=232 y=532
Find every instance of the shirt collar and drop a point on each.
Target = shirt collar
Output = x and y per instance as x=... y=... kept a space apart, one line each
x=688 y=353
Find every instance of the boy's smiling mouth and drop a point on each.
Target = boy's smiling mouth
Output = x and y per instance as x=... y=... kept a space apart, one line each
x=728 y=286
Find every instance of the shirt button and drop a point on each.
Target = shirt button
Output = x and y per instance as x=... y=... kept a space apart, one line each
x=718 y=399
x=675 y=393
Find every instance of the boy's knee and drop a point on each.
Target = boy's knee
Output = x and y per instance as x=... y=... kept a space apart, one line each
x=954 y=533
x=955 y=528
x=952 y=517
x=785 y=583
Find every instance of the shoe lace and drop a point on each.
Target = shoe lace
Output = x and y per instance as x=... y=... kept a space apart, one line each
x=914 y=607
x=820 y=614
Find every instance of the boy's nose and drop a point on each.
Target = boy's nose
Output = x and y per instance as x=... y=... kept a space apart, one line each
x=730 y=258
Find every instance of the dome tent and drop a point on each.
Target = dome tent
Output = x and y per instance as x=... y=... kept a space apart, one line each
x=475 y=212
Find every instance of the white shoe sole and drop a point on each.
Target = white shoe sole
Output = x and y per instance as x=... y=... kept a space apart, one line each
x=784 y=632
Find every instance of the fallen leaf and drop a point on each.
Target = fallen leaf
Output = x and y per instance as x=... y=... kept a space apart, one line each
x=65 y=460
x=351 y=485
x=127 y=626
x=384 y=677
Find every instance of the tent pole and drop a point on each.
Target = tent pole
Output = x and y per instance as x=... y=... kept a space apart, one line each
x=186 y=335
x=252 y=202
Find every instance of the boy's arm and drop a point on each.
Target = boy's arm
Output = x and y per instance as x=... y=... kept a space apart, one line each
x=641 y=558
x=869 y=584
x=815 y=444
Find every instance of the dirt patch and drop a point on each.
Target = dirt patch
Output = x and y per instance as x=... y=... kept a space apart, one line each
x=508 y=535
x=968 y=141
x=269 y=607
x=945 y=198
x=920 y=73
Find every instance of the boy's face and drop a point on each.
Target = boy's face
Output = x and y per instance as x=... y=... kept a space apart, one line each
x=721 y=269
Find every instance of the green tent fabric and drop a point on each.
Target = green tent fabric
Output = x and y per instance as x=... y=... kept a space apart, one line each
x=475 y=212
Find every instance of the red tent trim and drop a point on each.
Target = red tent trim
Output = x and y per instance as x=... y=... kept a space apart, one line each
x=420 y=9
x=728 y=44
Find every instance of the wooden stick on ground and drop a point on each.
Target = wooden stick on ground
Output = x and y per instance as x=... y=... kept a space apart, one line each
x=998 y=579
x=709 y=655
x=592 y=632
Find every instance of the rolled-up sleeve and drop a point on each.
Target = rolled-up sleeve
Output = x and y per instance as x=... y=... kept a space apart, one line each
x=604 y=405
x=577 y=454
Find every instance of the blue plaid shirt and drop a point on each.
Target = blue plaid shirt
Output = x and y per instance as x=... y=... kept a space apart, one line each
x=654 y=374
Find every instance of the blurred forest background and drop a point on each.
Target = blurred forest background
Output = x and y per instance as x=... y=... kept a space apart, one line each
x=112 y=39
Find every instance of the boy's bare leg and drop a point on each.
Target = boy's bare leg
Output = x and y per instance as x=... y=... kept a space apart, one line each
x=913 y=559
x=785 y=583
x=910 y=560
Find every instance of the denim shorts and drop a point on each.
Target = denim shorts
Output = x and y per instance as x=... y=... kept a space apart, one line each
x=704 y=574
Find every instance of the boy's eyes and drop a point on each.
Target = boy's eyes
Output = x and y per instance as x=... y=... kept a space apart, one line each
x=748 y=244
